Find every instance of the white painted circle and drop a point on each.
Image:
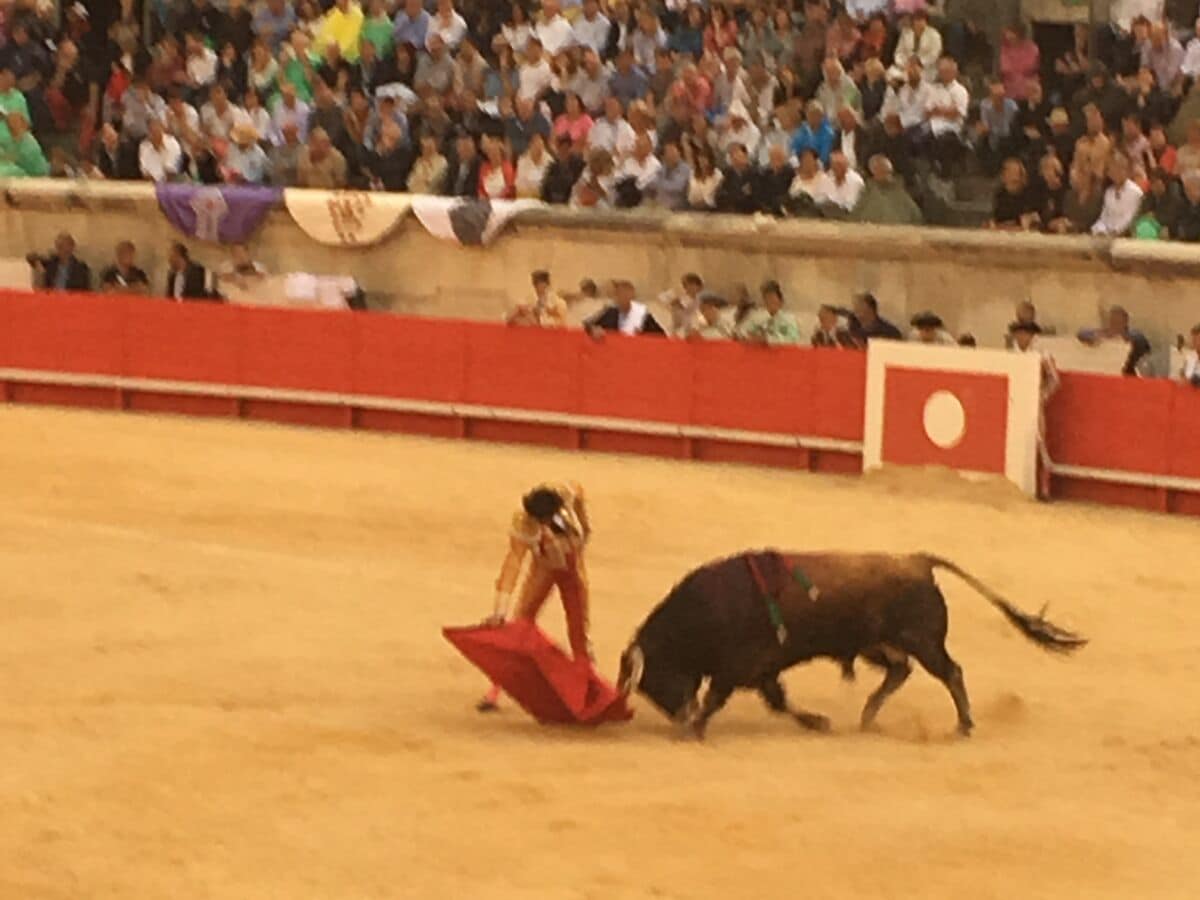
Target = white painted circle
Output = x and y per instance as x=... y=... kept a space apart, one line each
x=945 y=419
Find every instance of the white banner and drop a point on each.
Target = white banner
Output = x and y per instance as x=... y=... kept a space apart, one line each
x=347 y=218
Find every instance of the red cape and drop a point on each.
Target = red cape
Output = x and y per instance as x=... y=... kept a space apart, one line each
x=534 y=671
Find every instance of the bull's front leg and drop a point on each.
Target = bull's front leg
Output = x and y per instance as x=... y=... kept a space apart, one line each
x=715 y=697
x=773 y=693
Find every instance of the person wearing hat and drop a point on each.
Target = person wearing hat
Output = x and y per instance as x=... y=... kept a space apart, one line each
x=778 y=327
x=245 y=161
x=928 y=328
x=1023 y=333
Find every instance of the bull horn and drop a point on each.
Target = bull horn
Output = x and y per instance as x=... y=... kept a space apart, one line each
x=636 y=659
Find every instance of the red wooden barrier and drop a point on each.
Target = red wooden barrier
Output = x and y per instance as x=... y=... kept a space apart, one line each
x=1127 y=441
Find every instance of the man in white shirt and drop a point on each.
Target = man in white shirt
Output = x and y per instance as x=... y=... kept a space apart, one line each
x=201 y=62
x=641 y=165
x=1189 y=373
x=946 y=108
x=448 y=25
x=612 y=132
x=535 y=76
x=1122 y=200
x=591 y=29
x=554 y=31
x=159 y=156
x=861 y=10
x=1191 y=59
x=740 y=130
x=1024 y=340
x=591 y=83
x=912 y=99
x=218 y=116
x=845 y=185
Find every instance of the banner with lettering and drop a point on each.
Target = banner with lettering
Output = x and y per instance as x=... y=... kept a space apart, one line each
x=228 y=214
x=346 y=218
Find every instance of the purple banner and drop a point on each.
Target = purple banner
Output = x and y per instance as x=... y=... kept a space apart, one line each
x=227 y=214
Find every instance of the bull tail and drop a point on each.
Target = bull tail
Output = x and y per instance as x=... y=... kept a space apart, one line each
x=1037 y=628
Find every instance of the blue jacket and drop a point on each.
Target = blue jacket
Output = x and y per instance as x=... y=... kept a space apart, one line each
x=820 y=140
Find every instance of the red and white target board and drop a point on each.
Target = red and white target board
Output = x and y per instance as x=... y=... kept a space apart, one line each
x=971 y=410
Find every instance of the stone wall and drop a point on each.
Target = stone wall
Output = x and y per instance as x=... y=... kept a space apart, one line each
x=971 y=278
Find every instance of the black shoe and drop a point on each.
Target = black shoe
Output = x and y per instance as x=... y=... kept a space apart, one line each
x=487 y=706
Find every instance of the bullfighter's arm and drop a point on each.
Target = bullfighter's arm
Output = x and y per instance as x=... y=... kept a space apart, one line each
x=521 y=539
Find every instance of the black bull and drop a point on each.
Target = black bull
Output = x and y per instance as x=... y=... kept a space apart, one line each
x=721 y=622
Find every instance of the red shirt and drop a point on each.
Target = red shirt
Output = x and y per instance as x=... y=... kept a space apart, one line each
x=497 y=182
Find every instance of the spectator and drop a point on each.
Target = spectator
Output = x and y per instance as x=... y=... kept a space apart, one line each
x=996 y=126
x=866 y=324
x=778 y=327
x=429 y=171
x=1187 y=227
x=1187 y=157
x=1149 y=102
x=1164 y=154
x=518 y=29
x=808 y=47
x=711 y=325
x=1189 y=372
x=815 y=133
x=647 y=40
x=829 y=331
x=389 y=161
x=739 y=130
x=837 y=89
x=624 y=315
x=285 y=157
x=736 y=191
x=563 y=174
x=463 y=177
x=574 y=122
x=843 y=39
x=1135 y=147
x=1162 y=207
x=275 y=21
x=436 y=71
x=1020 y=61
x=844 y=186
x=1121 y=201
x=320 y=164
x=612 y=133
x=891 y=142
x=532 y=168
x=113 y=159
x=684 y=303
x=851 y=138
x=160 y=157
x=1094 y=147
x=411 y=24
x=218 y=116
x=553 y=30
x=11 y=99
x=884 y=200
x=1191 y=59
x=911 y=99
x=595 y=185
x=377 y=29
x=1118 y=328
x=873 y=89
x=590 y=84
x=187 y=280
x=21 y=155
x=627 y=83
x=535 y=75
x=242 y=270
x=774 y=181
x=289 y=110
x=928 y=328
x=1050 y=195
x=139 y=106
x=810 y=186
x=591 y=28
x=1164 y=56
x=546 y=310
x=1082 y=205
x=245 y=161
x=919 y=39
x=721 y=33
x=1014 y=208
x=200 y=63
x=123 y=276
x=947 y=115
x=639 y=171
x=1073 y=66
x=497 y=176
x=447 y=24
x=670 y=190
x=342 y=27
x=63 y=271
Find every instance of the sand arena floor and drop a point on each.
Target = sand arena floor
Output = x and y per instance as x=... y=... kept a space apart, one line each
x=221 y=677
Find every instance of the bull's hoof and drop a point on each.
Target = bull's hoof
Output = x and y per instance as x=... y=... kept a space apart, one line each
x=965 y=728
x=814 y=722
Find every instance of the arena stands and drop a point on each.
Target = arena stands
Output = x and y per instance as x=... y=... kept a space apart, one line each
x=690 y=103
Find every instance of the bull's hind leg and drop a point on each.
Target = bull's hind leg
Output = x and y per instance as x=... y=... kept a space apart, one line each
x=898 y=669
x=937 y=662
x=772 y=692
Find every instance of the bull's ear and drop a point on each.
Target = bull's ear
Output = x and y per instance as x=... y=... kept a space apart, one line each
x=633 y=665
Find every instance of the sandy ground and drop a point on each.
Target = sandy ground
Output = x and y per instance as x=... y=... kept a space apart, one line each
x=221 y=676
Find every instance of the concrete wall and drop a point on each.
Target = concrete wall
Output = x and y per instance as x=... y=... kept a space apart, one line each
x=971 y=278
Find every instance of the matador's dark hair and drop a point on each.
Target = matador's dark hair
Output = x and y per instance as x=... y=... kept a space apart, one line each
x=542 y=503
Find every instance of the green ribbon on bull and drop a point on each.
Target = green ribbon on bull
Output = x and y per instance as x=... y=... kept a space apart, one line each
x=776 y=616
x=803 y=580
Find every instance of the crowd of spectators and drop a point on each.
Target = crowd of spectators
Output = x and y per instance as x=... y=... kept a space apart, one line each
x=852 y=109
